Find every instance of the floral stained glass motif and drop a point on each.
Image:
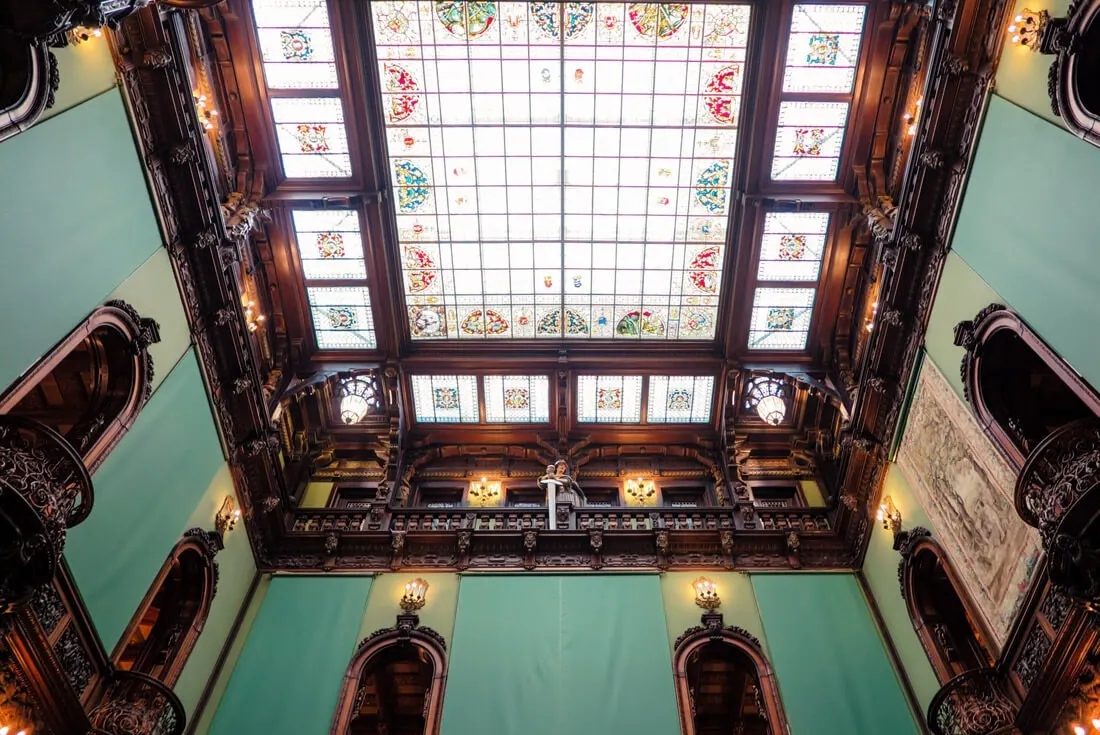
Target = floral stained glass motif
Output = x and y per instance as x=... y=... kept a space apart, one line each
x=342 y=317
x=420 y=273
x=295 y=44
x=445 y=398
x=823 y=48
x=792 y=246
x=808 y=141
x=549 y=187
x=680 y=399
x=780 y=318
x=312 y=137
x=467 y=20
x=517 y=399
x=609 y=399
x=329 y=244
x=489 y=323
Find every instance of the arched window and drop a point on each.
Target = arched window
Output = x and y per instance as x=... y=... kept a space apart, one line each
x=394 y=685
x=162 y=633
x=27 y=85
x=1074 y=78
x=91 y=386
x=1018 y=388
x=724 y=684
x=946 y=622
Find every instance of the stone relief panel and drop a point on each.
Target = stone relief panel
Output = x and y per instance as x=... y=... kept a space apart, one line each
x=966 y=489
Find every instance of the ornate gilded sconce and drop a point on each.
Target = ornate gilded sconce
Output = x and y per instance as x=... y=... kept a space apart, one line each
x=706 y=597
x=252 y=316
x=485 y=493
x=413 y=598
x=227 y=516
x=889 y=516
x=207 y=113
x=1027 y=27
x=639 y=491
x=77 y=36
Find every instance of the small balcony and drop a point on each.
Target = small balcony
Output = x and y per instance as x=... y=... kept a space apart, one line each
x=136 y=704
x=976 y=702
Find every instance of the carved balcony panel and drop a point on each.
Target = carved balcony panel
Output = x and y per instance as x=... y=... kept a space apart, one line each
x=136 y=704
x=1057 y=493
x=45 y=489
x=978 y=702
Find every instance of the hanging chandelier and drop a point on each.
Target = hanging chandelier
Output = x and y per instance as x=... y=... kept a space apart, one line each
x=766 y=396
x=358 y=397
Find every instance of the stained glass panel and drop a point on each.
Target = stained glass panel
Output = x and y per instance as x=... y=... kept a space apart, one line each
x=615 y=399
x=517 y=399
x=329 y=244
x=792 y=246
x=446 y=399
x=312 y=137
x=780 y=318
x=342 y=317
x=823 y=48
x=808 y=140
x=295 y=43
x=679 y=399
x=561 y=170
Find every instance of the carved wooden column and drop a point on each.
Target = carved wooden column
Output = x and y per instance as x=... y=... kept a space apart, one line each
x=977 y=702
x=136 y=704
x=44 y=490
x=1058 y=492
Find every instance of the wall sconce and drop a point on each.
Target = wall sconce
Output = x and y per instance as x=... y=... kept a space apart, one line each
x=416 y=594
x=226 y=519
x=253 y=318
x=706 y=594
x=484 y=493
x=1026 y=28
x=640 y=491
x=912 y=117
x=5 y=729
x=77 y=36
x=206 y=112
x=888 y=515
x=870 y=325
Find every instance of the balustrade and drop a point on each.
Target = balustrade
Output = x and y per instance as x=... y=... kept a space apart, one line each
x=136 y=704
x=976 y=702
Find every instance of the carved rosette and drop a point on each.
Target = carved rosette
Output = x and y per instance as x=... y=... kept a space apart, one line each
x=136 y=704
x=1057 y=492
x=976 y=702
x=44 y=490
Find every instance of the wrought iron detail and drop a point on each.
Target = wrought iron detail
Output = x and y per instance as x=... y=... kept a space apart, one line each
x=976 y=702
x=1034 y=655
x=1056 y=608
x=44 y=490
x=136 y=704
x=74 y=660
x=48 y=608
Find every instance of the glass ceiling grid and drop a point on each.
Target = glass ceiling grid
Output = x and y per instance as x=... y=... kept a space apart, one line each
x=567 y=242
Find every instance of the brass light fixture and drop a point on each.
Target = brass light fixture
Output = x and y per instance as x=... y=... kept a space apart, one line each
x=640 y=491
x=77 y=36
x=416 y=594
x=252 y=316
x=888 y=515
x=226 y=519
x=706 y=594
x=1027 y=27
x=207 y=113
x=485 y=493
x=5 y=729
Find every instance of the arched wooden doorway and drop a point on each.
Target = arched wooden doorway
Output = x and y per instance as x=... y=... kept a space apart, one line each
x=91 y=386
x=953 y=635
x=166 y=626
x=394 y=685
x=1018 y=388
x=724 y=684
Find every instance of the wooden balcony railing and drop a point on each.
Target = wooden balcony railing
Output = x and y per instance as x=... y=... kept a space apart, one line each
x=977 y=702
x=136 y=704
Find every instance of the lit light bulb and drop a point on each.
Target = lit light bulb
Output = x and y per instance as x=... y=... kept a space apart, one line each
x=98 y=33
x=4 y=730
x=1019 y=19
x=1096 y=723
x=484 y=479
x=1012 y=29
x=1078 y=730
x=1015 y=39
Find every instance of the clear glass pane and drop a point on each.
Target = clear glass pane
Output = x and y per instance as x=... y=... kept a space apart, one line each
x=517 y=399
x=792 y=245
x=809 y=140
x=445 y=398
x=780 y=318
x=342 y=318
x=823 y=48
x=329 y=244
x=615 y=399
x=680 y=399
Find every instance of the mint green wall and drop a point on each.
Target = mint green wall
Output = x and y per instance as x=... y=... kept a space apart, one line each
x=145 y=494
x=288 y=677
x=86 y=71
x=438 y=612
x=880 y=569
x=547 y=654
x=738 y=602
x=68 y=240
x=1028 y=227
x=833 y=671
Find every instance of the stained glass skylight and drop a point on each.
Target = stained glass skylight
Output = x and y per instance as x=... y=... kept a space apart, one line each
x=780 y=318
x=823 y=48
x=561 y=169
x=331 y=250
x=296 y=47
x=792 y=246
x=808 y=141
x=679 y=399
x=445 y=398
x=613 y=399
x=517 y=399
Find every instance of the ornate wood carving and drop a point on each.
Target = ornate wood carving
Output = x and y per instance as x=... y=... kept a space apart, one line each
x=136 y=704
x=978 y=702
x=1067 y=38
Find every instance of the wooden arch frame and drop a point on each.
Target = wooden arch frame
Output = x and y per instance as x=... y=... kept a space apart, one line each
x=1070 y=39
x=427 y=640
x=137 y=334
x=203 y=545
x=973 y=335
x=695 y=638
x=914 y=545
x=28 y=91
